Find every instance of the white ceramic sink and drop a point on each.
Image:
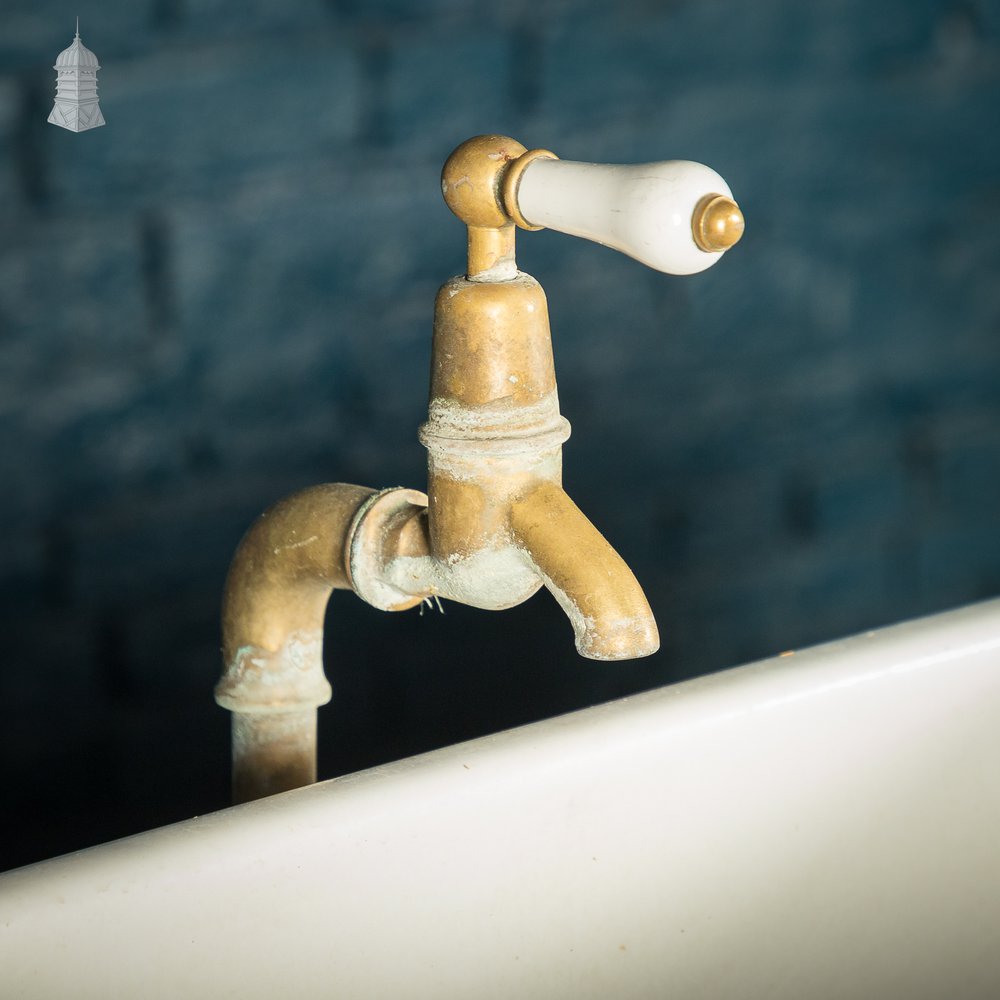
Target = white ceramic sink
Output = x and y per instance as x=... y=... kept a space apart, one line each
x=823 y=824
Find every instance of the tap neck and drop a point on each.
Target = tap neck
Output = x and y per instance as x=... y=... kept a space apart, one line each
x=491 y=253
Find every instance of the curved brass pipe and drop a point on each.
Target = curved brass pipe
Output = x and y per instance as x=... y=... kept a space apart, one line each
x=286 y=567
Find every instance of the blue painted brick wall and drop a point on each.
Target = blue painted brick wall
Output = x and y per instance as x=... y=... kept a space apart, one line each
x=226 y=294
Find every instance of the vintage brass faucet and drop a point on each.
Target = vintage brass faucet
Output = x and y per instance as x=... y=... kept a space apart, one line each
x=495 y=524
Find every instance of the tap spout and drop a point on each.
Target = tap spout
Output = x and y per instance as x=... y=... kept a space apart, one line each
x=286 y=567
x=601 y=597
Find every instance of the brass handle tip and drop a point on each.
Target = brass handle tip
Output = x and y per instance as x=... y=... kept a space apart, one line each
x=717 y=223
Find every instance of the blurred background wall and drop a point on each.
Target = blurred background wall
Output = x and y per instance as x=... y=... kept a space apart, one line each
x=225 y=295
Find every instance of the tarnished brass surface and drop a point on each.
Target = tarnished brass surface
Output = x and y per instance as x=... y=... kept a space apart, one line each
x=717 y=223
x=272 y=752
x=472 y=176
x=390 y=525
x=492 y=346
x=274 y=605
x=494 y=434
x=287 y=564
x=494 y=526
x=493 y=392
x=479 y=183
x=491 y=251
x=600 y=595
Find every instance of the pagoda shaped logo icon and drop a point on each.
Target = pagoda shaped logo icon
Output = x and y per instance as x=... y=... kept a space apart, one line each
x=76 y=106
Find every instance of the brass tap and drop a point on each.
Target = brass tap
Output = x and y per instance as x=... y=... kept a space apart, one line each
x=495 y=524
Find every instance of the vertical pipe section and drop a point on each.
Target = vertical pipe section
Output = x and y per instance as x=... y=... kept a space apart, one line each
x=272 y=752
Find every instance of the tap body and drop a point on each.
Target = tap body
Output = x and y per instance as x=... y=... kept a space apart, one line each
x=494 y=526
x=500 y=524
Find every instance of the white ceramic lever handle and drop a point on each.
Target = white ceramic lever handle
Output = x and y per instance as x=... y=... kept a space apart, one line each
x=652 y=211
